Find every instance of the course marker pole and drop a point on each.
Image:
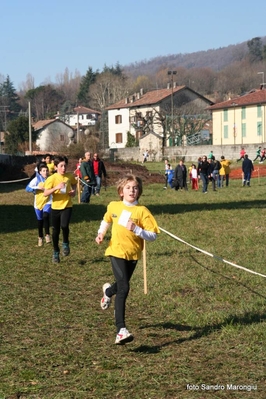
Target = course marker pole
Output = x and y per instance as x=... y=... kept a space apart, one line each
x=144 y=260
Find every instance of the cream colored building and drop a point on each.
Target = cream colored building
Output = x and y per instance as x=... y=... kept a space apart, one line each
x=241 y=120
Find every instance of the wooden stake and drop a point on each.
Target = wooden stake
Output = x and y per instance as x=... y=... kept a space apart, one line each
x=78 y=190
x=144 y=259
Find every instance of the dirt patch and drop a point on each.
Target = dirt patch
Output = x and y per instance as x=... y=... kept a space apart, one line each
x=115 y=171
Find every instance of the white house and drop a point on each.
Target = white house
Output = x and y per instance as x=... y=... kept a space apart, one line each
x=82 y=116
x=53 y=134
x=139 y=114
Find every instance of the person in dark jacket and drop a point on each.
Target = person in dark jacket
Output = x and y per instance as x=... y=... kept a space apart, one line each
x=180 y=176
x=247 y=169
x=99 y=171
x=87 y=178
x=204 y=171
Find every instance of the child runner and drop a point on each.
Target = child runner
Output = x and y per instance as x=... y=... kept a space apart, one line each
x=131 y=224
x=62 y=186
x=42 y=204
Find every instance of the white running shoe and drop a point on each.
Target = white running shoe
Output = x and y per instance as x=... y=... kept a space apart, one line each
x=106 y=300
x=123 y=337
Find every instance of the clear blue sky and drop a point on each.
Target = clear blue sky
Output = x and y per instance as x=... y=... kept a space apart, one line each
x=45 y=37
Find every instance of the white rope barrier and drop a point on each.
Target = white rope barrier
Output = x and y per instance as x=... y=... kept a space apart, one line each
x=15 y=181
x=212 y=255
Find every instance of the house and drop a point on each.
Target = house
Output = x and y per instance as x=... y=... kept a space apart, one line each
x=53 y=134
x=241 y=120
x=81 y=116
x=144 y=112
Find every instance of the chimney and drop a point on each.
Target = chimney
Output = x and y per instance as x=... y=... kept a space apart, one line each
x=138 y=96
x=141 y=91
x=168 y=85
x=126 y=100
x=174 y=85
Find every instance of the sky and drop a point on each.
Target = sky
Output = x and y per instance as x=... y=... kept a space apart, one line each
x=43 y=38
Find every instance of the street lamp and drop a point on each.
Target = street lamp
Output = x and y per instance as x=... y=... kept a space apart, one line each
x=172 y=73
x=262 y=73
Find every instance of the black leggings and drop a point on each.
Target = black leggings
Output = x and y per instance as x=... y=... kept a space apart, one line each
x=44 y=223
x=60 y=219
x=123 y=270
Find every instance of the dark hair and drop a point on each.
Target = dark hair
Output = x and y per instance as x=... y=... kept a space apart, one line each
x=60 y=158
x=41 y=166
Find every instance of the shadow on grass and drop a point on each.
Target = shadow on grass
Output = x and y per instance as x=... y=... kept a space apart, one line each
x=228 y=278
x=15 y=218
x=199 y=332
x=21 y=217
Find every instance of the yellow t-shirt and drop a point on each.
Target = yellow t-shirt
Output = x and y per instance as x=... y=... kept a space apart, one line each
x=124 y=243
x=61 y=200
x=50 y=167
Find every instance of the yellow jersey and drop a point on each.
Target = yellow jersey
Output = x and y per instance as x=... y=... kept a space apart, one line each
x=61 y=200
x=124 y=243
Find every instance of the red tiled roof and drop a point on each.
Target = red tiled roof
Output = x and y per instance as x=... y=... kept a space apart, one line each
x=149 y=98
x=40 y=124
x=45 y=122
x=256 y=97
x=85 y=110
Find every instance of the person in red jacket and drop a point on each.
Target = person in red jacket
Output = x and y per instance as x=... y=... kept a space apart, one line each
x=99 y=170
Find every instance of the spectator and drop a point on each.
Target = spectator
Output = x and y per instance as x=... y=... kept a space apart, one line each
x=247 y=169
x=211 y=156
x=180 y=176
x=204 y=167
x=194 y=178
x=88 y=178
x=99 y=170
x=224 y=171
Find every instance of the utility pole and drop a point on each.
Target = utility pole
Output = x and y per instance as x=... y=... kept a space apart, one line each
x=30 y=135
x=172 y=73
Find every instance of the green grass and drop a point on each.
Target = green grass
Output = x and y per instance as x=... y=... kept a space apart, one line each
x=202 y=321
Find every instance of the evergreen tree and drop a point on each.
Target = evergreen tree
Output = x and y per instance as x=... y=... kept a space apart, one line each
x=255 y=49
x=9 y=100
x=18 y=135
x=86 y=81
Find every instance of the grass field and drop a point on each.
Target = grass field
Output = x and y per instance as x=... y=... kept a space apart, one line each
x=199 y=332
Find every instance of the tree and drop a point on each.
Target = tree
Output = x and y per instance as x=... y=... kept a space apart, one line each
x=8 y=101
x=86 y=81
x=255 y=49
x=17 y=135
x=46 y=101
x=131 y=140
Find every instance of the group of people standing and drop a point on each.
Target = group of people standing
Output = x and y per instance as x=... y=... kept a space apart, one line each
x=208 y=169
x=90 y=171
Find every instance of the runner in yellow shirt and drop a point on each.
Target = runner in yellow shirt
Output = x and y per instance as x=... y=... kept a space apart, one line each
x=62 y=186
x=131 y=225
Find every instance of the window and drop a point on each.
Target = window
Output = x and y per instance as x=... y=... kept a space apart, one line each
x=139 y=134
x=225 y=115
x=243 y=112
x=243 y=130
x=119 y=138
x=226 y=132
x=259 y=111
x=259 y=129
x=62 y=137
x=149 y=113
x=118 y=119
